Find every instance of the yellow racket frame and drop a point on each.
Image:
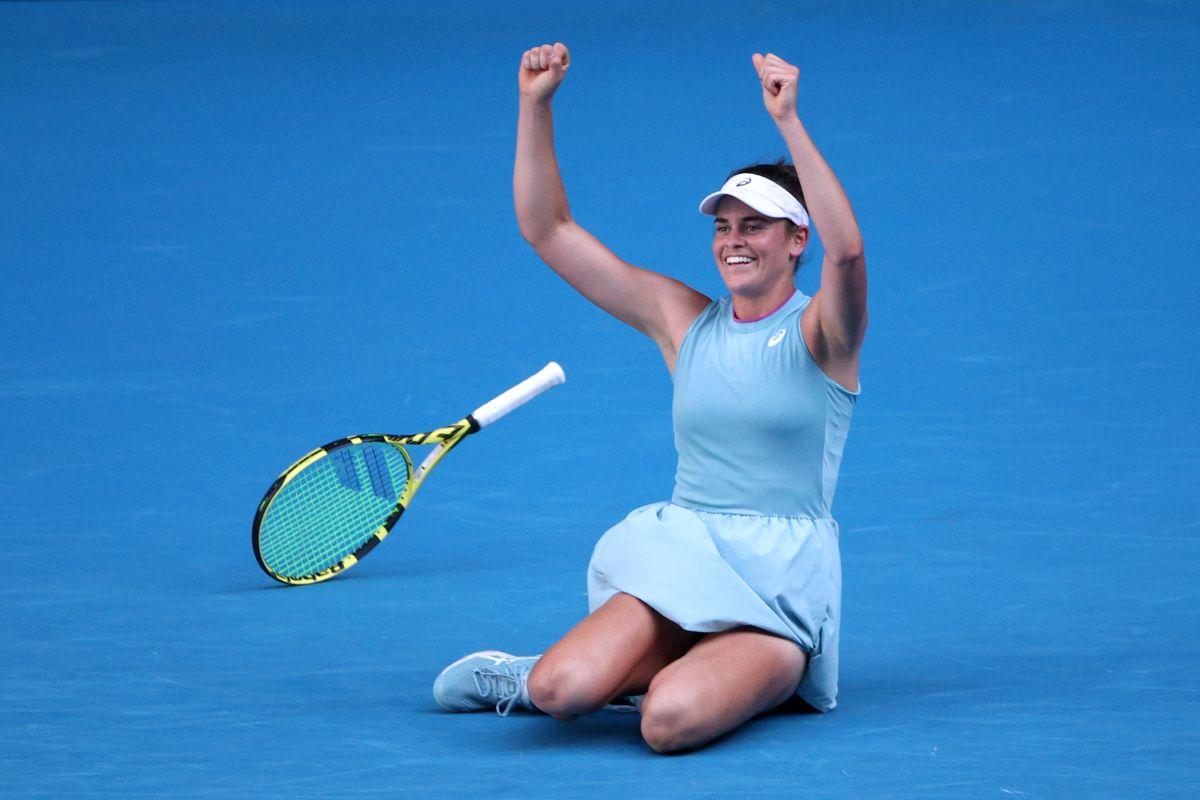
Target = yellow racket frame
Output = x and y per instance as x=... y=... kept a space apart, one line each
x=444 y=438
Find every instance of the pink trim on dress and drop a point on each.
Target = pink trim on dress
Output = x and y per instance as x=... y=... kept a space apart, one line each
x=764 y=316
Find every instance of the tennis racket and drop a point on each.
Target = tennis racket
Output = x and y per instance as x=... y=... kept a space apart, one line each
x=330 y=508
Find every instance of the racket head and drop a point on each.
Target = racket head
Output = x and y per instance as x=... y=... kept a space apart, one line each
x=331 y=507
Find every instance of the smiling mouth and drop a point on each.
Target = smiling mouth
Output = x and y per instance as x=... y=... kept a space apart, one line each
x=737 y=261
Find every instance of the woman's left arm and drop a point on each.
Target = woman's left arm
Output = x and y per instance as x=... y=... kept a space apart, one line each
x=840 y=305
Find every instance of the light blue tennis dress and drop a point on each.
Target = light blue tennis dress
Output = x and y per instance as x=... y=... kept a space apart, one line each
x=747 y=537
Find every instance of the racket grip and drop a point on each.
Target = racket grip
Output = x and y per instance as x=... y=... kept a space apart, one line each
x=547 y=377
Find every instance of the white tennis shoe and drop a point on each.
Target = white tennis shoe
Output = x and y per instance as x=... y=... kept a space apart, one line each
x=485 y=679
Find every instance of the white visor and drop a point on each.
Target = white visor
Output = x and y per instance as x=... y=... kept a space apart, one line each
x=762 y=194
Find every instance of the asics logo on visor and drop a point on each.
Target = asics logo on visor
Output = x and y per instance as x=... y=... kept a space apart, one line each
x=742 y=183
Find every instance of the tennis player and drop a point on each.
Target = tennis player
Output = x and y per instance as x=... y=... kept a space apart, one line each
x=723 y=602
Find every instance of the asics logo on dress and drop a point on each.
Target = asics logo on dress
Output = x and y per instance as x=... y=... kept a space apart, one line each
x=777 y=337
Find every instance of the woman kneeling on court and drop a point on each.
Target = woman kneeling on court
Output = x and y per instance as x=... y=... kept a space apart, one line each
x=724 y=602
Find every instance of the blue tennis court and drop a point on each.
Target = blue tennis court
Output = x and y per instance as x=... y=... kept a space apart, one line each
x=233 y=231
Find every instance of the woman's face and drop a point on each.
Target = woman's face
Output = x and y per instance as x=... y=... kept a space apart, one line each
x=754 y=253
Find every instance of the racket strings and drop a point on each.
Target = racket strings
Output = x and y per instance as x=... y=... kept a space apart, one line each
x=329 y=510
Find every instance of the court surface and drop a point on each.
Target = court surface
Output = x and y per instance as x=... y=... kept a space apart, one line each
x=230 y=232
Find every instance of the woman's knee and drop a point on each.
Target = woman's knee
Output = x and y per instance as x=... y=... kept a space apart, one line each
x=708 y=692
x=562 y=689
x=670 y=721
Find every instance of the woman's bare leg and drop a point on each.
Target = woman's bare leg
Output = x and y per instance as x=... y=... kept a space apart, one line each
x=615 y=650
x=717 y=685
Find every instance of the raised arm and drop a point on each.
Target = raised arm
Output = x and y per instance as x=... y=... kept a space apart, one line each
x=837 y=320
x=659 y=306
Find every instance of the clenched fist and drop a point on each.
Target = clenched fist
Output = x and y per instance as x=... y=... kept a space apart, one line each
x=779 y=81
x=542 y=70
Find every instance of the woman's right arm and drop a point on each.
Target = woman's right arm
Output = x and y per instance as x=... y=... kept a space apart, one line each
x=659 y=306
